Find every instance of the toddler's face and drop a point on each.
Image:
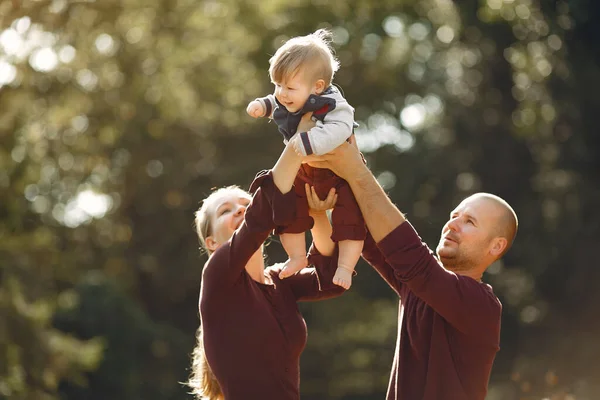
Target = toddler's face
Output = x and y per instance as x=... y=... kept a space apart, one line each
x=293 y=92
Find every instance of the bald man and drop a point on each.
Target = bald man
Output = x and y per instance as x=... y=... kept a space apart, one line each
x=449 y=320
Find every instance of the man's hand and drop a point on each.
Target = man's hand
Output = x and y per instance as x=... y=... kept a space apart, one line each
x=345 y=160
x=255 y=109
x=315 y=204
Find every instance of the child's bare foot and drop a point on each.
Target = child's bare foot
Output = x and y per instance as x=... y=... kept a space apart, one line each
x=293 y=265
x=343 y=277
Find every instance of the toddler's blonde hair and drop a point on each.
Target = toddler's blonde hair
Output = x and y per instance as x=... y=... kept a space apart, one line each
x=312 y=52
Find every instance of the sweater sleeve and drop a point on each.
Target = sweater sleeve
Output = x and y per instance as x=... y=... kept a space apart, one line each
x=316 y=283
x=337 y=126
x=376 y=259
x=268 y=208
x=269 y=104
x=468 y=305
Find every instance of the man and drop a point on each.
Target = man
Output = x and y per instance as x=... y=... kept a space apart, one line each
x=449 y=321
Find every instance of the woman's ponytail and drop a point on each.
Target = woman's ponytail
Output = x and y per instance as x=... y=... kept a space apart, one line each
x=202 y=381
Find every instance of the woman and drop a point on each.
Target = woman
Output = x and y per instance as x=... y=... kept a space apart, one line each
x=252 y=331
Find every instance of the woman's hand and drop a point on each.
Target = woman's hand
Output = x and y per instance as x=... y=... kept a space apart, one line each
x=306 y=123
x=321 y=230
x=315 y=204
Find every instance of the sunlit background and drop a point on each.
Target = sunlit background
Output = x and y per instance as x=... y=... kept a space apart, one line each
x=117 y=119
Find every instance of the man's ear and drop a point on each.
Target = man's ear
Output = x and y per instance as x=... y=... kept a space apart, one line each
x=320 y=86
x=498 y=246
x=211 y=243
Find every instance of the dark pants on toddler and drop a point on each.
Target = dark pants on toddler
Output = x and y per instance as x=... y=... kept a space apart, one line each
x=346 y=219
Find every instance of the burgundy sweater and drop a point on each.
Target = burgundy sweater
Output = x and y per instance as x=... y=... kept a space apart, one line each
x=254 y=333
x=448 y=325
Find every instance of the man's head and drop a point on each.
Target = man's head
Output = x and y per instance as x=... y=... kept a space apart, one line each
x=302 y=66
x=480 y=230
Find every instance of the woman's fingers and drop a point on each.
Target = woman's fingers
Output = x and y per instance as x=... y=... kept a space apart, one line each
x=315 y=203
x=331 y=199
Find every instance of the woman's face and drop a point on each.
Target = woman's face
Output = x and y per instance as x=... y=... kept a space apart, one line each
x=227 y=212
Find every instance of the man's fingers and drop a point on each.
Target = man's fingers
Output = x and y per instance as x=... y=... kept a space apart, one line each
x=353 y=142
x=318 y=164
x=339 y=150
x=312 y=158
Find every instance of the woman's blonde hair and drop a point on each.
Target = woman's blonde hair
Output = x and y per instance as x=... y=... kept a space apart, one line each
x=202 y=381
x=204 y=215
x=313 y=52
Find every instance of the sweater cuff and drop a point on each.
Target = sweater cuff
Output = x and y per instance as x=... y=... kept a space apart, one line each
x=267 y=106
x=304 y=139
x=283 y=206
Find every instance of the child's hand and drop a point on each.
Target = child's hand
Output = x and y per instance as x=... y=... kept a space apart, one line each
x=255 y=109
x=297 y=144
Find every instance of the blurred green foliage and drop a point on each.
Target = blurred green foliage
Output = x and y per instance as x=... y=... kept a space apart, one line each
x=117 y=118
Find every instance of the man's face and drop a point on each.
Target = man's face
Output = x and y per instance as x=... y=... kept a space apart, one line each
x=466 y=238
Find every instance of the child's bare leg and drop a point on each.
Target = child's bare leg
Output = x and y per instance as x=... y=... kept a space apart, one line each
x=348 y=257
x=295 y=247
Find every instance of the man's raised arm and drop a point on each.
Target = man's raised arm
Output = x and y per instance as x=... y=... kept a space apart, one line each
x=380 y=214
